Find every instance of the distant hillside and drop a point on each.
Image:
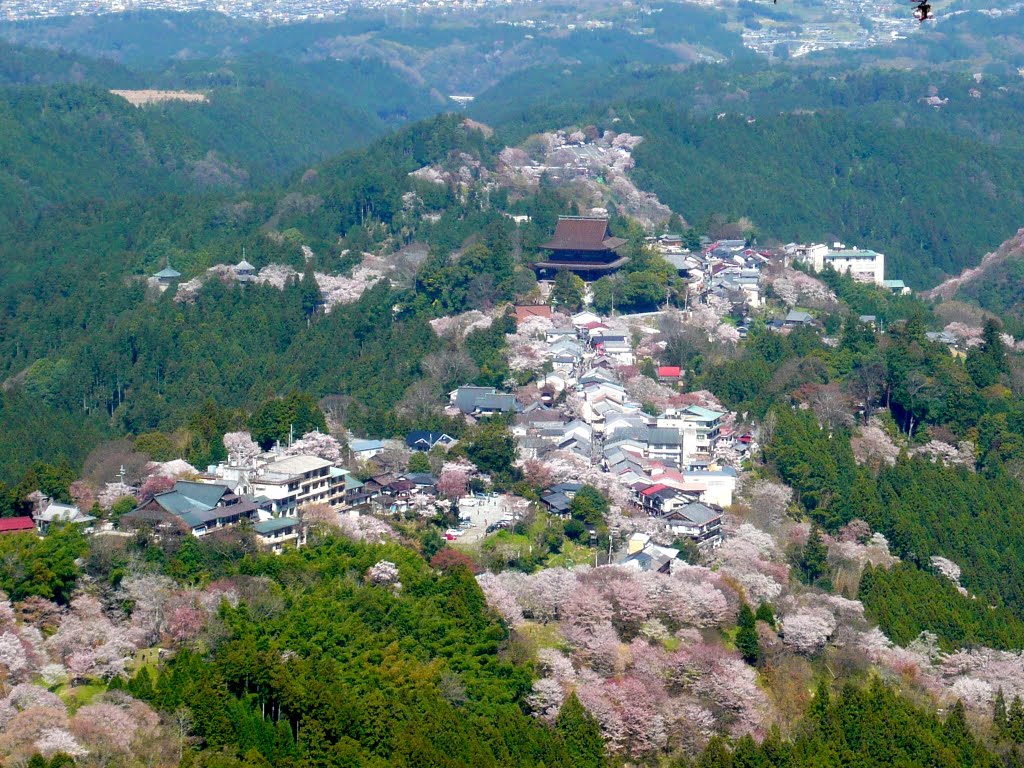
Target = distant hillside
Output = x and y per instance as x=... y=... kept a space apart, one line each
x=20 y=65
x=859 y=156
x=828 y=176
x=995 y=285
x=454 y=54
x=264 y=119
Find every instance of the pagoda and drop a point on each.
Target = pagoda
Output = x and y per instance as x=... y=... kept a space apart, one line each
x=582 y=245
x=167 y=275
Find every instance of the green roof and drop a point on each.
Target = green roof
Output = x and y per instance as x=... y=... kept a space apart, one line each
x=276 y=524
x=703 y=413
x=168 y=272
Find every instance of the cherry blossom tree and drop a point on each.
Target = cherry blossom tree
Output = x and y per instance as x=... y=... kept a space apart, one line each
x=242 y=449
x=316 y=444
x=54 y=741
x=82 y=494
x=365 y=528
x=339 y=289
x=384 y=573
x=88 y=643
x=155 y=484
x=629 y=714
x=13 y=657
x=807 y=630
x=457 y=327
x=750 y=556
x=543 y=595
x=872 y=445
x=537 y=474
x=453 y=483
x=112 y=493
x=185 y=622
x=770 y=502
x=595 y=645
x=500 y=598
x=546 y=699
x=151 y=597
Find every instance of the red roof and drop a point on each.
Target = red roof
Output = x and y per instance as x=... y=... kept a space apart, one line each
x=653 y=489
x=670 y=371
x=578 y=233
x=15 y=524
x=533 y=310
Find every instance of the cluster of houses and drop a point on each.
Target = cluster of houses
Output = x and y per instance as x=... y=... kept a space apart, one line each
x=272 y=490
x=730 y=269
x=676 y=466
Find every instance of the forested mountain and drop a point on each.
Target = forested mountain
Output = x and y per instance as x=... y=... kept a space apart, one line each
x=865 y=605
x=263 y=118
x=23 y=65
x=715 y=142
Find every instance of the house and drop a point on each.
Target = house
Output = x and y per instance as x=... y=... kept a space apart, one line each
x=363 y=449
x=278 y=533
x=568 y=488
x=483 y=401
x=643 y=554
x=559 y=334
x=558 y=503
x=582 y=319
x=615 y=346
x=423 y=481
x=897 y=286
x=532 y=310
x=694 y=520
x=59 y=513
x=583 y=245
x=665 y=445
x=17 y=525
x=942 y=337
x=196 y=508
x=862 y=264
x=670 y=374
x=424 y=440
x=797 y=318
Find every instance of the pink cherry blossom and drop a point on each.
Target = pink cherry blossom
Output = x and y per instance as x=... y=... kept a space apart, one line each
x=242 y=449
x=807 y=630
x=316 y=444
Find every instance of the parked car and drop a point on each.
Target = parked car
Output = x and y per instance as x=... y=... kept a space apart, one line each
x=453 y=532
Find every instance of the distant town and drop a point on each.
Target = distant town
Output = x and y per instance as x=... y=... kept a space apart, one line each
x=846 y=24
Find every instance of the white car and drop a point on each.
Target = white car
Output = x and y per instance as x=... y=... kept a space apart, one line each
x=453 y=532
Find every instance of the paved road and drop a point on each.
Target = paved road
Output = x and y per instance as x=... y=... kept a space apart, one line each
x=486 y=511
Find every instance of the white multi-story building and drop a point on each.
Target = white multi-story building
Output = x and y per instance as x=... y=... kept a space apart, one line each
x=289 y=482
x=295 y=481
x=862 y=264
x=699 y=428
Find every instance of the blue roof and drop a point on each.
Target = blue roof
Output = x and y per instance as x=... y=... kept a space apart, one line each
x=359 y=445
